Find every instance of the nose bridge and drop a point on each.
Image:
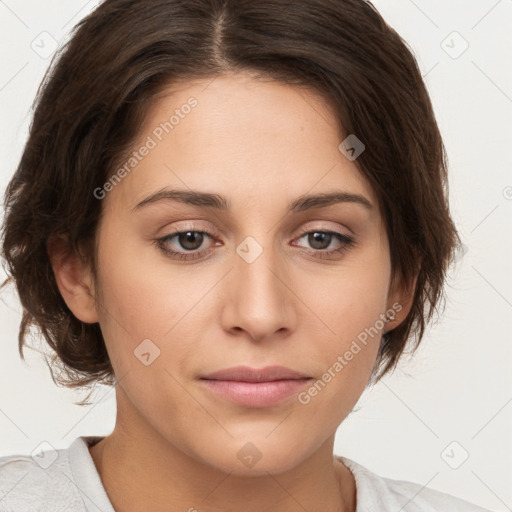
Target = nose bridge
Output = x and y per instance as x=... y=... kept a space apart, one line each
x=259 y=300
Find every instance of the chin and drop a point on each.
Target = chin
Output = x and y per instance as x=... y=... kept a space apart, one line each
x=253 y=458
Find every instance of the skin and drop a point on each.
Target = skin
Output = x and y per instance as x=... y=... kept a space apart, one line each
x=261 y=144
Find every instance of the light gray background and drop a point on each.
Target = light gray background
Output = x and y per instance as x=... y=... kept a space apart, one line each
x=454 y=398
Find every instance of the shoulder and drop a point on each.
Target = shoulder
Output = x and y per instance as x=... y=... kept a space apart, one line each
x=385 y=494
x=40 y=483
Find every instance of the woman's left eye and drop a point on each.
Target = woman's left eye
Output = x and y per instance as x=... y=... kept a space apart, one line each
x=190 y=241
x=321 y=240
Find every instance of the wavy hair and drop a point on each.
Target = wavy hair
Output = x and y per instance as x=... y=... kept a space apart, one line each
x=96 y=93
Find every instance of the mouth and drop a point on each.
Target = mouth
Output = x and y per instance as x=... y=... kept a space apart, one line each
x=251 y=387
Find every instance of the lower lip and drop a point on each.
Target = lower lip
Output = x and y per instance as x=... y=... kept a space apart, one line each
x=256 y=394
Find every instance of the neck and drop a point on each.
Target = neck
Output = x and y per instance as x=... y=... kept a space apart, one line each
x=141 y=469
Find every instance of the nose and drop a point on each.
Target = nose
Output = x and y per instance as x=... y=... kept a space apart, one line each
x=259 y=299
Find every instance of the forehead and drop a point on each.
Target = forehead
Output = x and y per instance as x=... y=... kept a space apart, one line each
x=243 y=136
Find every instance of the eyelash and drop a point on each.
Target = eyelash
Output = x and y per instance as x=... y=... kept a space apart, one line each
x=346 y=243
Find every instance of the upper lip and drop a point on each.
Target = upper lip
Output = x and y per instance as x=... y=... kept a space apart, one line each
x=248 y=374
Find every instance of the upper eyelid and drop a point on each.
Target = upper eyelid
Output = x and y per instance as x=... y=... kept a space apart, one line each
x=311 y=226
x=300 y=234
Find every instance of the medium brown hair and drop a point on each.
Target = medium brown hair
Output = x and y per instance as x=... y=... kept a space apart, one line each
x=98 y=89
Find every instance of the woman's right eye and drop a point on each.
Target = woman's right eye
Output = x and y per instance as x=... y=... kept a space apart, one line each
x=185 y=244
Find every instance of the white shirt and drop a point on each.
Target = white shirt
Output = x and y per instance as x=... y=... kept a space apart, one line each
x=66 y=480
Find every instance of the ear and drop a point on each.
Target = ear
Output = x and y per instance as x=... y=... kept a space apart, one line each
x=74 y=279
x=400 y=301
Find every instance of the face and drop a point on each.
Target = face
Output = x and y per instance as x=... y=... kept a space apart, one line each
x=192 y=285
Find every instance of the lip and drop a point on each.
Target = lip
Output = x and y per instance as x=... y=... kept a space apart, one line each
x=248 y=374
x=252 y=387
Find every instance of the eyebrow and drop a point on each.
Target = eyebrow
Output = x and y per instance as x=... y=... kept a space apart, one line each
x=219 y=202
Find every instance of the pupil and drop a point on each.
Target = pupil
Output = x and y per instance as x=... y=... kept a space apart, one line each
x=320 y=238
x=187 y=240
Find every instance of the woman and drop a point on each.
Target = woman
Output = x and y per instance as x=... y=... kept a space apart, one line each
x=236 y=212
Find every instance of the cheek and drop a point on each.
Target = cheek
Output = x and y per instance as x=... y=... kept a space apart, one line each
x=346 y=326
x=346 y=301
x=149 y=309
x=344 y=359
x=139 y=292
